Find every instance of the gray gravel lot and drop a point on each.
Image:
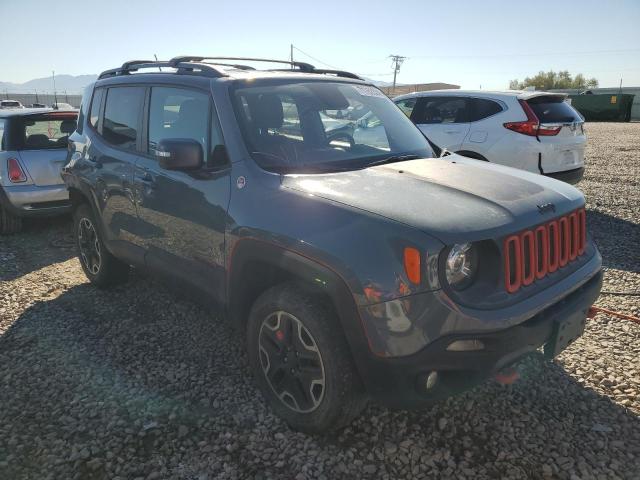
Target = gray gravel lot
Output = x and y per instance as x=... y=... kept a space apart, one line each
x=137 y=382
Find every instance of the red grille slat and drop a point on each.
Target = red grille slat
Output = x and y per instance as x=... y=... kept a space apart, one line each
x=527 y=243
x=542 y=259
x=516 y=264
x=533 y=254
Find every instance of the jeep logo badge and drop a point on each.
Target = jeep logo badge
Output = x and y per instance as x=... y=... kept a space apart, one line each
x=546 y=208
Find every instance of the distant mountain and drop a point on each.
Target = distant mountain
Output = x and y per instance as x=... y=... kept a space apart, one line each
x=73 y=84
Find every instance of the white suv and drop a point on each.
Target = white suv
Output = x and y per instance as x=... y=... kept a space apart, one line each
x=535 y=131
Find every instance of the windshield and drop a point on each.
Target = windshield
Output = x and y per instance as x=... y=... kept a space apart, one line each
x=324 y=126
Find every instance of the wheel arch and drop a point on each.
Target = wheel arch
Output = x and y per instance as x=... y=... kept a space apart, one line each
x=256 y=265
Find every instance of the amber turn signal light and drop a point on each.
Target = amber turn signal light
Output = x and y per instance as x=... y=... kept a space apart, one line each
x=412 y=264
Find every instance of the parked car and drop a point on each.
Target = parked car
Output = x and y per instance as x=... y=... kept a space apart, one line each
x=535 y=131
x=359 y=268
x=32 y=151
x=9 y=104
x=62 y=106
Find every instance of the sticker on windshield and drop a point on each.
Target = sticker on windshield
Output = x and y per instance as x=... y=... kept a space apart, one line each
x=368 y=91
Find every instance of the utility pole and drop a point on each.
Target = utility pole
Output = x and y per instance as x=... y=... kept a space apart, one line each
x=397 y=62
x=35 y=90
x=55 y=97
x=291 y=56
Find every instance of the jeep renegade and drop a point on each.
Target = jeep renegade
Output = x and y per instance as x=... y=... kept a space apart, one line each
x=356 y=262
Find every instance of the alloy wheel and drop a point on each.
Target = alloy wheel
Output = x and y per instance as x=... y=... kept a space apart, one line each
x=291 y=362
x=89 y=245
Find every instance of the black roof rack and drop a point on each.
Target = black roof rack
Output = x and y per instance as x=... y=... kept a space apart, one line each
x=134 y=65
x=207 y=66
x=302 y=66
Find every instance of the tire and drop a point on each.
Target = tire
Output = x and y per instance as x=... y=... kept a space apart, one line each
x=9 y=223
x=334 y=396
x=99 y=265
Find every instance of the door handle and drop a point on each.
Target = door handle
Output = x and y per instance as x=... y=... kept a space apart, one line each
x=451 y=132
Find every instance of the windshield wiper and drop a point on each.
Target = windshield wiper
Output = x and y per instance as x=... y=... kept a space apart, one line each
x=394 y=159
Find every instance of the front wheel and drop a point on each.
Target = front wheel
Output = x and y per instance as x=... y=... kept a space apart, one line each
x=99 y=265
x=301 y=360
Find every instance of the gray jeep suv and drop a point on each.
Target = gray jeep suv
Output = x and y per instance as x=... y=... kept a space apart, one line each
x=357 y=264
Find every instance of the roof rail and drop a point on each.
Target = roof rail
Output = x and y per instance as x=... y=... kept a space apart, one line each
x=303 y=66
x=207 y=66
x=134 y=65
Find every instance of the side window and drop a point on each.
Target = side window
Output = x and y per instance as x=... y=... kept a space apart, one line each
x=95 y=107
x=178 y=113
x=1 y=134
x=121 y=122
x=407 y=105
x=483 y=108
x=443 y=110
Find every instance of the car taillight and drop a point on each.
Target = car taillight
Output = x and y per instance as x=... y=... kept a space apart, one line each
x=16 y=174
x=532 y=126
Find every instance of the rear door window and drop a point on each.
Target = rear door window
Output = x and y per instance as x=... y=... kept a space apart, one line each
x=95 y=107
x=435 y=110
x=46 y=133
x=122 y=115
x=553 y=109
x=482 y=108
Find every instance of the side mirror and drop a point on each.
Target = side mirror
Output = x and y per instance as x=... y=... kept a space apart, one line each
x=179 y=154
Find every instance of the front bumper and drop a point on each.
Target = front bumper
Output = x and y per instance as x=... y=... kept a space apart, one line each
x=400 y=382
x=34 y=200
x=569 y=176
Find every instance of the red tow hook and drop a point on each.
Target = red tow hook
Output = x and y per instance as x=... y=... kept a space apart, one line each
x=507 y=376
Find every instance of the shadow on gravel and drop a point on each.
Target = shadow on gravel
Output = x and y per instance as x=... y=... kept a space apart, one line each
x=617 y=239
x=42 y=242
x=139 y=374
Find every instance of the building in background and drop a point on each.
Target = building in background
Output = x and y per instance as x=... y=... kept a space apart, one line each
x=417 y=87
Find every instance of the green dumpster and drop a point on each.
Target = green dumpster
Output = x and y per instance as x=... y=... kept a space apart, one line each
x=604 y=107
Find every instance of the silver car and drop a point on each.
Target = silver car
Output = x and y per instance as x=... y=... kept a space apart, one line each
x=33 y=149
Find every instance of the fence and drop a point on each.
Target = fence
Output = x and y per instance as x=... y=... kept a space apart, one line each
x=47 y=99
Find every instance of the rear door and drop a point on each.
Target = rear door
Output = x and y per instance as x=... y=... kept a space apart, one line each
x=565 y=149
x=43 y=145
x=116 y=118
x=444 y=120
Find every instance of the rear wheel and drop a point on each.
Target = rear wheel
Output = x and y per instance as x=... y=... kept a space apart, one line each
x=101 y=268
x=9 y=223
x=301 y=360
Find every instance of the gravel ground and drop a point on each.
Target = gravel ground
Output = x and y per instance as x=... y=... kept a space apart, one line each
x=138 y=383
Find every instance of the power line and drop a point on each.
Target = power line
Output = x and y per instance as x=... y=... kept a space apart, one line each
x=314 y=58
x=500 y=55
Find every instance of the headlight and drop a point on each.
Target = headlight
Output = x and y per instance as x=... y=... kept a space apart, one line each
x=462 y=263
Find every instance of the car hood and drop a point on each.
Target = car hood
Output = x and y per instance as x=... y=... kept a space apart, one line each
x=452 y=198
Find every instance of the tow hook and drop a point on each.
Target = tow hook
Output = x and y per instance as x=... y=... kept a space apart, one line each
x=507 y=376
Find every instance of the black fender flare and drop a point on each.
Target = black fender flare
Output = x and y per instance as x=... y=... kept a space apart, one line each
x=306 y=269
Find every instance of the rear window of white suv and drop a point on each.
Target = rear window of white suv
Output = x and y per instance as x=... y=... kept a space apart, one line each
x=553 y=109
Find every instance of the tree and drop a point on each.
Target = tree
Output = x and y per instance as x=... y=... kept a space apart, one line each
x=550 y=80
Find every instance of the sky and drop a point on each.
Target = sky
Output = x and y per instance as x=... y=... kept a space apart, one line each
x=474 y=44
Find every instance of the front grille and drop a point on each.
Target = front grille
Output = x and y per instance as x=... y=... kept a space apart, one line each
x=533 y=254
